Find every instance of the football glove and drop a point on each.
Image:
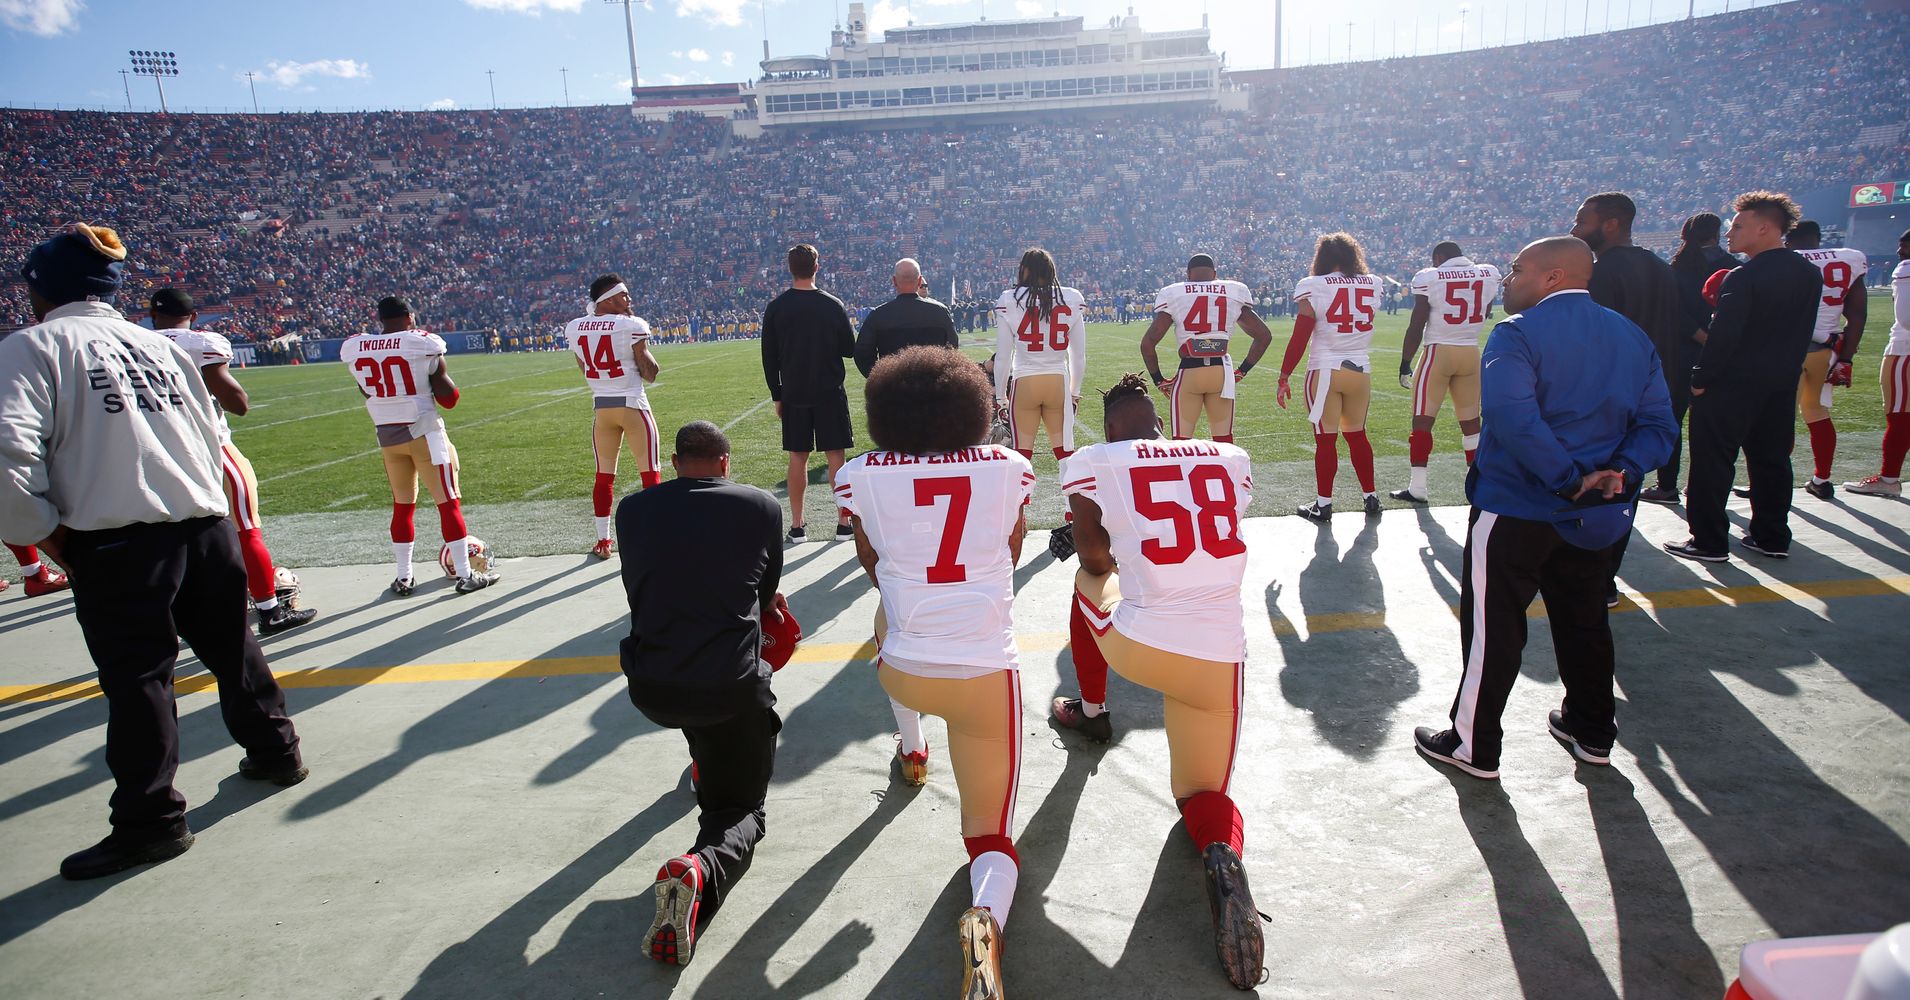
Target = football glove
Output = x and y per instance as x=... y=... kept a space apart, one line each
x=1405 y=380
x=1061 y=543
x=1839 y=373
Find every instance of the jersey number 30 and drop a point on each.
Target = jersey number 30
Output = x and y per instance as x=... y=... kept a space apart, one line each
x=1215 y=504
x=382 y=380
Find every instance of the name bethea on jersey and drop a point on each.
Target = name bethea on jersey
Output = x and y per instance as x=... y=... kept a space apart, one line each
x=123 y=376
x=950 y=458
x=1189 y=449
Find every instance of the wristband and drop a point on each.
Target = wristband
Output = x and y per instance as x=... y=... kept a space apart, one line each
x=1158 y=378
x=1244 y=368
x=449 y=401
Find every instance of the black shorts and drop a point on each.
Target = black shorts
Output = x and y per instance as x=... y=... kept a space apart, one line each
x=823 y=427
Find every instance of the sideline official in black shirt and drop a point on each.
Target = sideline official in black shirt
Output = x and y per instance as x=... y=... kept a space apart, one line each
x=806 y=334
x=1745 y=382
x=702 y=557
x=911 y=319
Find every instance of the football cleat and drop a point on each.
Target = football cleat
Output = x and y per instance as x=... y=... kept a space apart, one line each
x=1061 y=542
x=480 y=553
x=1236 y=921
x=1315 y=512
x=797 y=534
x=679 y=892
x=914 y=766
x=1373 y=508
x=602 y=549
x=1407 y=495
x=476 y=581
x=1875 y=486
x=403 y=586
x=1822 y=491
x=845 y=532
x=46 y=581
x=284 y=618
x=981 y=955
x=1067 y=714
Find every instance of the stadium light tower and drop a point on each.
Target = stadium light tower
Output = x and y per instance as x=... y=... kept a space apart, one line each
x=125 y=82
x=157 y=65
x=630 y=33
x=1464 y=10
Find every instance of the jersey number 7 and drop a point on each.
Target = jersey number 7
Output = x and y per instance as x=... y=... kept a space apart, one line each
x=959 y=490
x=1215 y=504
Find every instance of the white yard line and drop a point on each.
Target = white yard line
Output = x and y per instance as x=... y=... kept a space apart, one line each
x=745 y=415
x=373 y=451
x=349 y=409
x=539 y=490
x=350 y=499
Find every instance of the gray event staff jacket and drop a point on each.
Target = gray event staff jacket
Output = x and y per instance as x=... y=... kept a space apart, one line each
x=103 y=423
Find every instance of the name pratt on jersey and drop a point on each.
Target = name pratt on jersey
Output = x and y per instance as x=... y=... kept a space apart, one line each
x=950 y=458
x=1145 y=449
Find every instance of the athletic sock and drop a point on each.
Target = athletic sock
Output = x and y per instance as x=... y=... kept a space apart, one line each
x=908 y=723
x=1360 y=450
x=1896 y=443
x=451 y=521
x=650 y=479
x=1823 y=448
x=258 y=565
x=601 y=494
x=1419 y=448
x=267 y=604
x=1326 y=463
x=992 y=876
x=460 y=556
x=1418 y=485
x=1090 y=667
x=1212 y=818
x=403 y=533
x=1027 y=453
x=1061 y=453
x=26 y=554
x=401 y=554
x=1323 y=501
x=603 y=529
x=1093 y=709
x=31 y=569
x=1223 y=439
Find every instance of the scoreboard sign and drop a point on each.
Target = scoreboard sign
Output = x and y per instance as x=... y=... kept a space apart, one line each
x=1880 y=193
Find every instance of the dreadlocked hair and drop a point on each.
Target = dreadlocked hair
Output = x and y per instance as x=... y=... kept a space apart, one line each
x=1130 y=386
x=1035 y=282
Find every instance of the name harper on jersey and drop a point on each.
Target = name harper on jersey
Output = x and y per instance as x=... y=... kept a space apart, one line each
x=591 y=325
x=949 y=458
x=1192 y=449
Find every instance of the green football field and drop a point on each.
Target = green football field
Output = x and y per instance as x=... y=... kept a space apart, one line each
x=523 y=433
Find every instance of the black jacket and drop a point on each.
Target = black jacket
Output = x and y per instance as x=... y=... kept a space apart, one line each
x=701 y=559
x=1762 y=327
x=904 y=321
x=806 y=334
x=1692 y=271
x=1638 y=285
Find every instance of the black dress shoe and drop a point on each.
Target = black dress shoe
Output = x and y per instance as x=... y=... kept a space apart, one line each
x=115 y=854
x=284 y=776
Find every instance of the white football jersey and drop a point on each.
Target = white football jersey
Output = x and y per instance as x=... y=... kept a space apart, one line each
x=1204 y=313
x=206 y=348
x=1841 y=267
x=1057 y=344
x=1900 y=294
x=394 y=370
x=1460 y=293
x=940 y=526
x=1343 y=310
x=607 y=347
x=1172 y=510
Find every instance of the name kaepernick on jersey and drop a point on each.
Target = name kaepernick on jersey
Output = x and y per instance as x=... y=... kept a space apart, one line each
x=1172 y=514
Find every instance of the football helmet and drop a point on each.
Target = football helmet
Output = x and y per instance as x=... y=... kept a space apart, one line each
x=480 y=551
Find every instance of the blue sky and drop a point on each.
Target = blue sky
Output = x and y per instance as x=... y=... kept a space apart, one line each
x=433 y=53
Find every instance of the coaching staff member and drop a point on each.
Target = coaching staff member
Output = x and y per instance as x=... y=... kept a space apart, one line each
x=109 y=453
x=1744 y=385
x=702 y=557
x=1697 y=258
x=806 y=334
x=1575 y=411
x=910 y=319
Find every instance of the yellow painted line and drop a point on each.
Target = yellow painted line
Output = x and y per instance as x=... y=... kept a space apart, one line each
x=840 y=652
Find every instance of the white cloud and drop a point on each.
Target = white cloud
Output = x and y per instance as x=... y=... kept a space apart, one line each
x=1031 y=8
x=534 y=8
x=677 y=79
x=291 y=73
x=729 y=58
x=442 y=104
x=728 y=13
x=698 y=55
x=885 y=15
x=41 y=17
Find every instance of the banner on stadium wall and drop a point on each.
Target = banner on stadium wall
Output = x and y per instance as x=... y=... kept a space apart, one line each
x=1880 y=193
x=454 y=343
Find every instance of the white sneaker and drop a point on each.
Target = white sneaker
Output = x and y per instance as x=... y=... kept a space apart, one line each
x=1875 y=486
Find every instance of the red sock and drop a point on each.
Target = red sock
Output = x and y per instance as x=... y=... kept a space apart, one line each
x=1419 y=448
x=1212 y=818
x=1090 y=667
x=1224 y=438
x=451 y=521
x=1326 y=462
x=258 y=563
x=1823 y=446
x=1360 y=450
x=978 y=846
x=1061 y=453
x=651 y=479
x=1896 y=442
x=1471 y=453
x=28 y=555
x=401 y=527
x=1027 y=453
x=600 y=494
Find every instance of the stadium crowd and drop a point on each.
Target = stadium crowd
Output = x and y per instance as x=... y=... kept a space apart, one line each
x=293 y=225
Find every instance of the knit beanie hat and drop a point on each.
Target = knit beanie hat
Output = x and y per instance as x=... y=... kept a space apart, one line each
x=85 y=263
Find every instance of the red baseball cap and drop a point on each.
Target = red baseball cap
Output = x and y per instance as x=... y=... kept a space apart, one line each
x=1714 y=286
x=780 y=639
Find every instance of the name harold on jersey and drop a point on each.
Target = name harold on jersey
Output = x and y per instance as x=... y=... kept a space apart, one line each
x=121 y=375
x=1192 y=449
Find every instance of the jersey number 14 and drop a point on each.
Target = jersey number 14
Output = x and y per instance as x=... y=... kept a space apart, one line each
x=600 y=361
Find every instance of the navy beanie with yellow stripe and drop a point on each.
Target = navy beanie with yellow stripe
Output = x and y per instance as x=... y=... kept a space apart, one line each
x=83 y=263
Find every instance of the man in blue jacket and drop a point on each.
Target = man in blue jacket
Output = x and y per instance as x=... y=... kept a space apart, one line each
x=1576 y=412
